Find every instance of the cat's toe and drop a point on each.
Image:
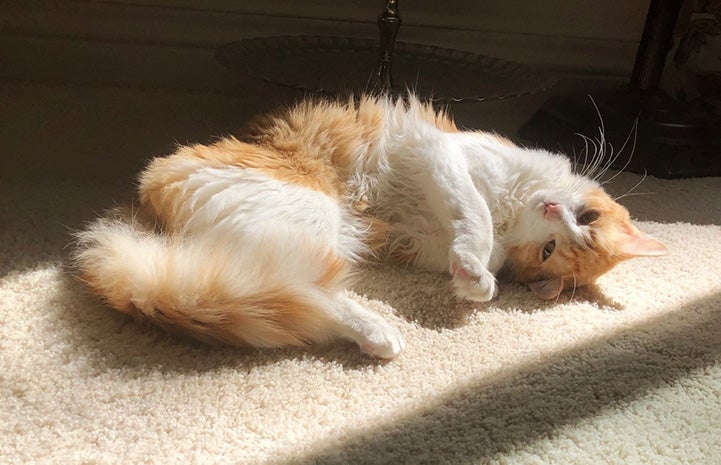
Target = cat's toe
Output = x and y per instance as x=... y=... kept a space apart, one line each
x=479 y=288
x=384 y=342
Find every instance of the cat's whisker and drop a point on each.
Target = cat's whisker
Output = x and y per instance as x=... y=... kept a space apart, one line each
x=577 y=184
x=558 y=297
x=585 y=156
x=586 y=165
x=599 y=154
x=598 y=143
x=610 y=160
x=575 y=163
x=573 y=292
x=594 y=155
x=634 y=131
x=605 y=155
x=589 y=166
x=630 y=191
x=604 y=147
x=632 y=194
x=598 y=112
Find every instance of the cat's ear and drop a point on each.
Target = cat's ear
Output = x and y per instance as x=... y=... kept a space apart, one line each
x=548 y=288
x=637 y=244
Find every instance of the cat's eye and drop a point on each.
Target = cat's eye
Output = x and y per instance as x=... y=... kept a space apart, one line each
x=548 y=249
x=588 y=217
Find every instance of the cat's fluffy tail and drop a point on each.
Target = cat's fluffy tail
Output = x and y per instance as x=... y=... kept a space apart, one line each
x=257 y=294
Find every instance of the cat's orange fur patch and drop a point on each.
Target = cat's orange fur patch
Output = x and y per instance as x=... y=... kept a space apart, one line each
x=439 y=118
x=335 y=270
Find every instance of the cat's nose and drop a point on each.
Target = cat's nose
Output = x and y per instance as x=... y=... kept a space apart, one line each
x=551 y=210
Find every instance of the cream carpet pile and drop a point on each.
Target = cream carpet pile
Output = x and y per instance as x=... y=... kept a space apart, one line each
x=626 y=372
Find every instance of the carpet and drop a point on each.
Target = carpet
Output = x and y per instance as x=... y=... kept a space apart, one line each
x=627 y=371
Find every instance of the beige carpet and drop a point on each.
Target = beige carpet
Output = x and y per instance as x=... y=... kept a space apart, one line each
x=628 y=372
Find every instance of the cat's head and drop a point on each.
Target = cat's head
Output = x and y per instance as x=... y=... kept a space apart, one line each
x=568 y=238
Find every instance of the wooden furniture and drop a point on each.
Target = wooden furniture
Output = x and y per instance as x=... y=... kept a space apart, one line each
x=667 y=138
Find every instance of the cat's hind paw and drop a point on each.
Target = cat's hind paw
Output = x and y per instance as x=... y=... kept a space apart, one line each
x=383 y=341
x=480 y=286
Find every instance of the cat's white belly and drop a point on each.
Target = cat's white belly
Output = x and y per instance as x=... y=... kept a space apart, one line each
x=244 y=204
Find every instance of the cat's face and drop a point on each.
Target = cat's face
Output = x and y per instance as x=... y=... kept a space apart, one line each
x=570 y=238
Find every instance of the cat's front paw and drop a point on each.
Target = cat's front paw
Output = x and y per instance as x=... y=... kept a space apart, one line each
x=478 y=285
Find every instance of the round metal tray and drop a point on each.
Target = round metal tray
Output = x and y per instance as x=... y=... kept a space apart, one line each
x=338 y=65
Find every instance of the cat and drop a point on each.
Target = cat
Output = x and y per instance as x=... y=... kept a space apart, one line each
x=249 y=242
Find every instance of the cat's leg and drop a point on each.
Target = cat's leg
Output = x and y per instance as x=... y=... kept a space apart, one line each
x=470 y=279
x=499 y=254
x=373 y=334
x=473 y=255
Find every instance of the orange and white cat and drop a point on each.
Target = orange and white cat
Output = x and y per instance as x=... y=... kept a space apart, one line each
x=248 y=242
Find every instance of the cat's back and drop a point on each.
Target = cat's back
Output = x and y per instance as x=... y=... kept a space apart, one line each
x=332 y=132
x=311 y=144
